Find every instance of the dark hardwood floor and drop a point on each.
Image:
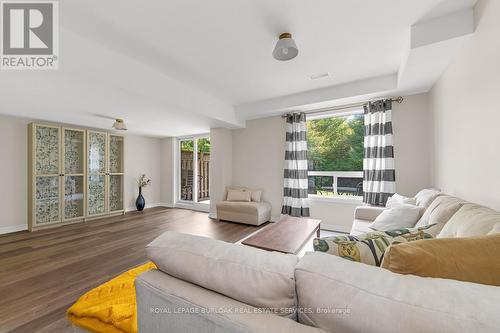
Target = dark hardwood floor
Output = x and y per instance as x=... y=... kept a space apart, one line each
x=43 y=273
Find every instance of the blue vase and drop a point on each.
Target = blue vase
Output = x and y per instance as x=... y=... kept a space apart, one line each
x=140 y=202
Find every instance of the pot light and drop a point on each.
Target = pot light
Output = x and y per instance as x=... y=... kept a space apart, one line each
x=119 y=125
x=285 y=48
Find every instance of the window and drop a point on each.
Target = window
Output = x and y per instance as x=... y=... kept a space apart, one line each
x=194 y=162
x=335 y=145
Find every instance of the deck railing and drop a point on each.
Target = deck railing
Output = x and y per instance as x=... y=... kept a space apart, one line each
x=336 y=182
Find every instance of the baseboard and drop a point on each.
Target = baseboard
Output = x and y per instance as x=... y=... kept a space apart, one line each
x=13 y=228
x=275 y=218
x=151 y=205
x=212 y=216
x=334 y=227
x=195 y=207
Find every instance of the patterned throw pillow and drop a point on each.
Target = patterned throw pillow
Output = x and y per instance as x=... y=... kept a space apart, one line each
x=368 y=248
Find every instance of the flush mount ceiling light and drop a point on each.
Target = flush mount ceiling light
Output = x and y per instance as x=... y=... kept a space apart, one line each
x=285 y=48
x=119 y=125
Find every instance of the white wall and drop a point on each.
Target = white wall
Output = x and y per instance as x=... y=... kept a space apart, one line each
x=221 y=164
x=466 y=115
x=258 y=158
x=14 y=173
x=258 y=155
x=412 y=156
x=142 y=155
x=167 y=170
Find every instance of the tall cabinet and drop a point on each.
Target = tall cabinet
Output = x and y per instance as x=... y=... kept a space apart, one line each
x=73 y=175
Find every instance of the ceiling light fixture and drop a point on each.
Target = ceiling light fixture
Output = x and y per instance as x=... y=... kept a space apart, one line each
x=285 y=48
x=119 y=125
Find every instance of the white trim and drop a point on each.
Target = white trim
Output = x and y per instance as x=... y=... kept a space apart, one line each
x=212 y=216
x=275 y=218
x=193 y=206
x=337 y=199
x=335 y=228
x=318 y=114
x=152 y=205
x=13 y=228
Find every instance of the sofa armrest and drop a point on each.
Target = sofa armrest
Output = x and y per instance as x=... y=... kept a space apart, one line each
x=374 y=297
x=369 y=213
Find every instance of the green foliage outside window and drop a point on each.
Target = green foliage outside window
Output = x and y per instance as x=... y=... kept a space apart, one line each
x=203 y=145
x=336 y=143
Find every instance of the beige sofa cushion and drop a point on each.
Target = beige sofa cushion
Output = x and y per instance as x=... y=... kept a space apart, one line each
x=439 y=213
x=471 y=220
x=256 y=194
x=495 y=230
x=256 y=277
x=161 y=296
x=243 y=207
x=239 y=195
x=360 y=227
x=354 y=297
x=425 y=197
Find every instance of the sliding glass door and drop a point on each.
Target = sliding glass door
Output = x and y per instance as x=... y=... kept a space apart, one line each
x=193 y=170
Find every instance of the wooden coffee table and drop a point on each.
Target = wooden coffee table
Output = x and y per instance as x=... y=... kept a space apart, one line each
x=289 y=235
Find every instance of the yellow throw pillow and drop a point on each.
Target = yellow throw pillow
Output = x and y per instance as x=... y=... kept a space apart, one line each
x=472 y=259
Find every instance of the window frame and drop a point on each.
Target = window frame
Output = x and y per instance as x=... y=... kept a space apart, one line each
x=335 y=174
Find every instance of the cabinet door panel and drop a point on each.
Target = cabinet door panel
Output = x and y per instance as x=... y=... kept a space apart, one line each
x=96 y=203
x=97 y=153
x=115 y=193
x=47 y=150
x=73 y=196
x=47 y=199
x=115 y=154
x=74 y=147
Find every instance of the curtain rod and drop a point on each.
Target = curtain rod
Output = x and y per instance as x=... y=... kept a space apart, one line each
x=398 y=99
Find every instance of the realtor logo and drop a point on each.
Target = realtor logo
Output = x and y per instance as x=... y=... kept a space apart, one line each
x=29 y=36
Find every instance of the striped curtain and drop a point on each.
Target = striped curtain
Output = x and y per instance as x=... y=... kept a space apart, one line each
x=295 y=202
x=379 y=175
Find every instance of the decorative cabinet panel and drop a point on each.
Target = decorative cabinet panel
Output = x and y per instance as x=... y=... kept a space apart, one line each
x=96 y=150
x=105 y=173
x=116 y=151
x=47 y=199
x=73 y=174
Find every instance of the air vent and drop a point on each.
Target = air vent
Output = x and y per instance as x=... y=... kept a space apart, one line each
x=320 y=76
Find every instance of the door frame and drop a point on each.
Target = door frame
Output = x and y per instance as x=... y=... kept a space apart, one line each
x=194 y=204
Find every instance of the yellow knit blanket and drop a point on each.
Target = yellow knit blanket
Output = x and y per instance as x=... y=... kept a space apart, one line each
x=110 y=307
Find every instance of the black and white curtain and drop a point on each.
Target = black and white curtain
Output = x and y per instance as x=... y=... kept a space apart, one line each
x=295 y=202
x=379 y=175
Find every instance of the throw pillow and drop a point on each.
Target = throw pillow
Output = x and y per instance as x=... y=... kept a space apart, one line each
x=367 y=248
x=398 y=199
x=239 y=195
x=397 y=217
x=473 y=259
x=439 y=213
x=469 y=221
x=257 y=195
x=426 y=196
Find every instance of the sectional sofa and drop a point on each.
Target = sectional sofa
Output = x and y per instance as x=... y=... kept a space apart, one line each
x=204 y=285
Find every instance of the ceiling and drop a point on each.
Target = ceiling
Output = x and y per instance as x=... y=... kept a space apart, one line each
x=180 y=67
